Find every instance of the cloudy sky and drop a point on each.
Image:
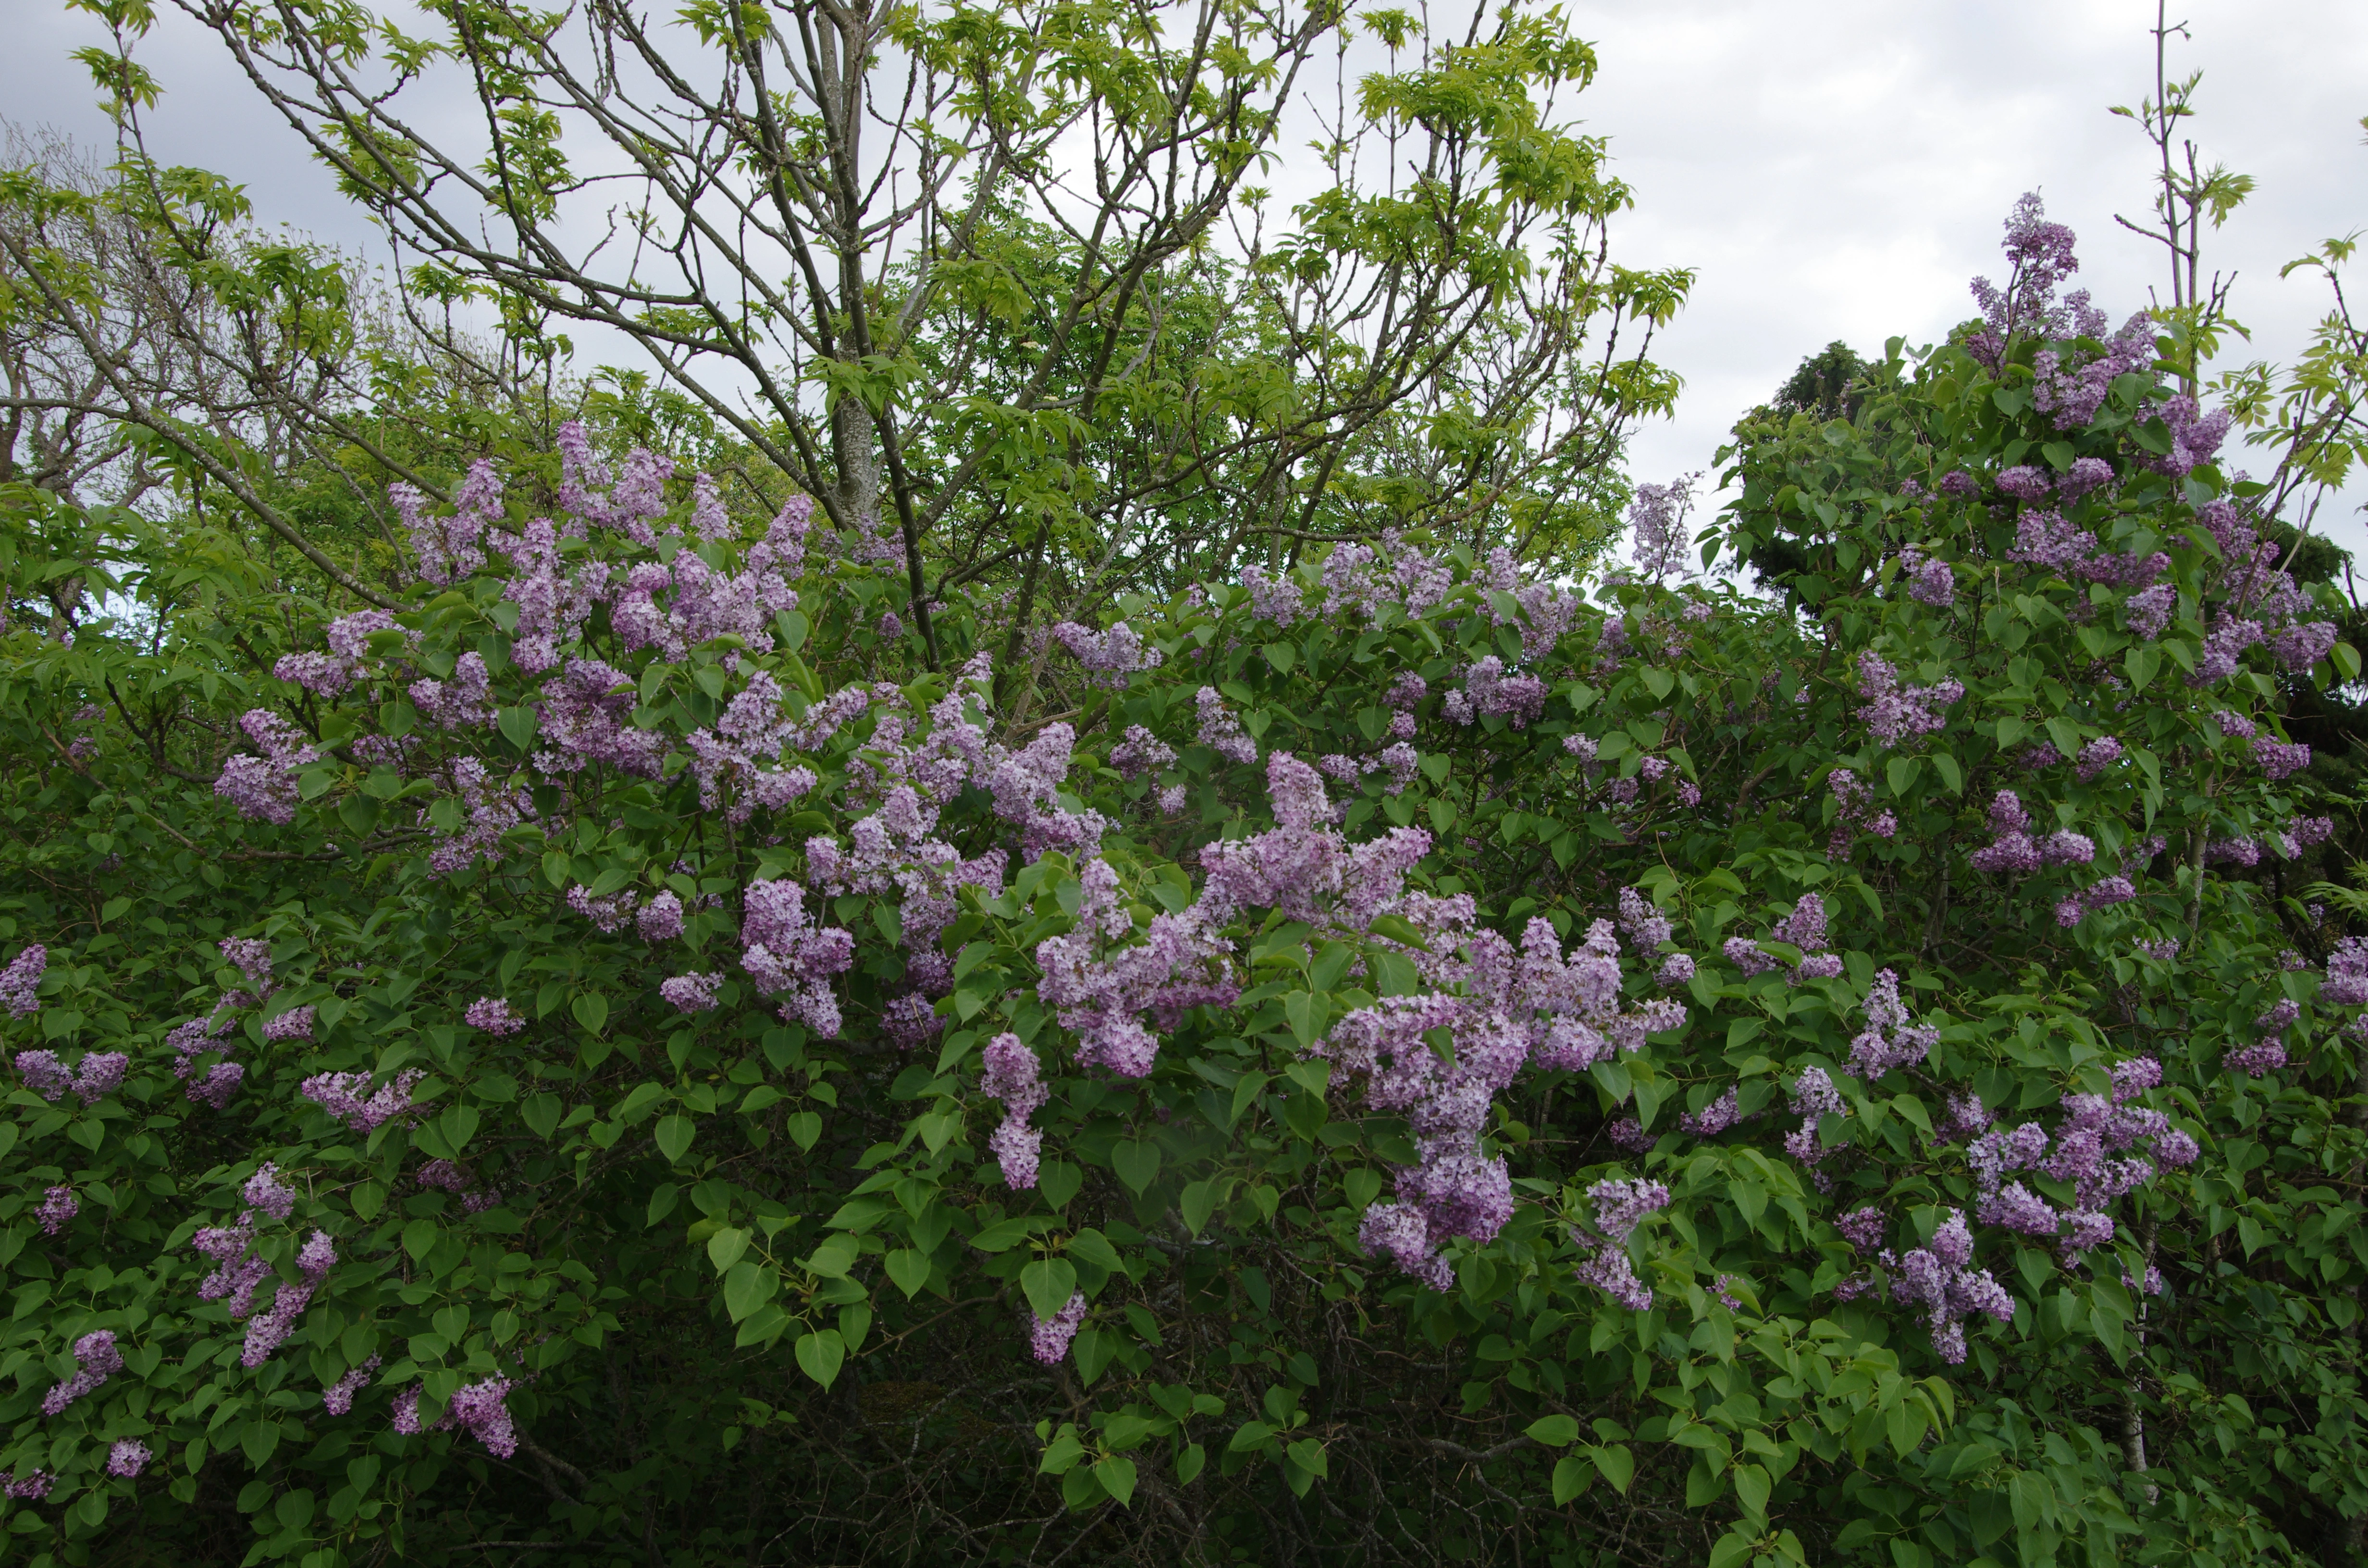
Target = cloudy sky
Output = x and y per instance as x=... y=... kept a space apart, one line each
x=1834 y=168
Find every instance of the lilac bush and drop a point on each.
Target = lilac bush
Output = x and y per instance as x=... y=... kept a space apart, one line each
x=1789 y=1059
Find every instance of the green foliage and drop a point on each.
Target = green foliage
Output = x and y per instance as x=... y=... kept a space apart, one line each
x=757 y=1282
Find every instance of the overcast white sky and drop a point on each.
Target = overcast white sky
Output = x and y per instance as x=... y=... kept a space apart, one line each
x=1834 y=168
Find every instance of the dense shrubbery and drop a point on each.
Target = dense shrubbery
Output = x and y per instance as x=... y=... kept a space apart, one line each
x=1406 y=1060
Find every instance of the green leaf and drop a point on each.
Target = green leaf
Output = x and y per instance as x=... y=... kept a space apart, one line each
x=725 y=1248
x=1572 y=1476
x=1137 y=1164
x=1117 y=1475
x=673 y=1134
x=458 y=1126
x=1309 y=1455
x=591 y=1010
x=834 y=1257
x=1199 y=1201
x=804 y=1127
x=1059 y=1180
x=748 y=1285
x=1555 y=1431
x=821 y=1355
x=909 y=1269
x=1049 y=1282
x=1730 y=1549
x=1617 y=1465
x=519 y=725
x=1092 y=1351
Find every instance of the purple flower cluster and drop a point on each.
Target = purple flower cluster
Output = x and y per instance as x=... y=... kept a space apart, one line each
x=2280 y=758
x=1048 y=1338
x=1108 y=656
x=1889 y=1039
x=693 y=992
x=97 y=1075
x=2095 y=1128
x=493 y=1014
x=348 y=1097
x=1657 y=523
x=264 y=787
x=1010 y=1073
x=1942 y=1279
x=59 y=1206
x=1854 y=813
x=127 y=1457
x=96 y=1359
x=1101 y=991
x=20 y=983
x=2096 y=756
x=1503 y=1008
x=1489 y=692
x=1714 y=1118
x=337 y=1399
x=1814 y=1099
x=1894 y=713
x=1141 y=753
x=194 y=1039
x=1619 y=1206
x=475 y=1408
x=1804 y=929
x=791 y=955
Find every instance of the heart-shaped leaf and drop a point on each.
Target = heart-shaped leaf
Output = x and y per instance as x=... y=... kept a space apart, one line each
x=1059 y=1181
x=1117 y=1475
x=519 y=725
x=673 y=1134
x=591 y=1010
x=804 y=1127
x=820 y=1356
x=747 y=1286
x=909 y=1269
x=1553 y=1431
x=1049 y=1282
x=457 y=1125
x=1199 y=1200
x=726 y=1248
x=1137 y=1164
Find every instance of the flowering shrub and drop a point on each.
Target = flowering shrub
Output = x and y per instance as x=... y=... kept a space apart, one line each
x=1409 y=1054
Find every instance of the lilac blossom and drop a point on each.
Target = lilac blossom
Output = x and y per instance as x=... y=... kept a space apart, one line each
x=127 y=1457
x=1894 y=713
x=59 y=1206
x=1619 y=1206
x=1281 y=600
x=2150 y=611
x=786 y=953
x=296 y=1023
x=45 y=1074
x=95 y=1360
x=1048 y=1338
x=2097 y=755
x=2277 y=758
x=1109 y=658
x=2346 y=985
x=1221 y=730
x=337 y=1399
x=1656 y=522
x=20 y=983
x=348 y=1097
x=1889 y=1039
x=263 y=788
x=1714 y=1118
x=693 y=992
x=1141 y=753
x=495 y=1016
x=476 y=1408
x=1941 y=1280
